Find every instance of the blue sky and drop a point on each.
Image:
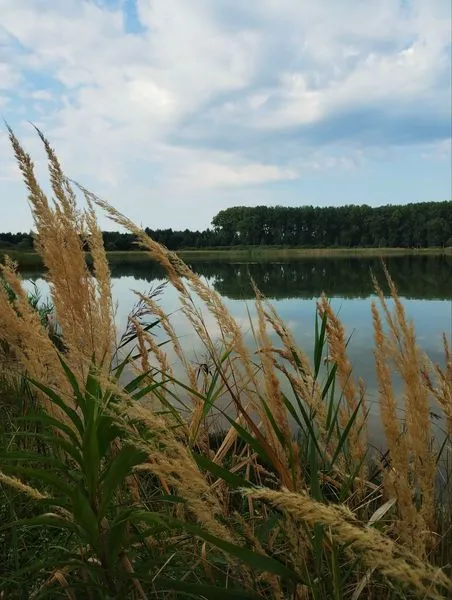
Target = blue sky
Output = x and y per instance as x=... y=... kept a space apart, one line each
x=175 y=109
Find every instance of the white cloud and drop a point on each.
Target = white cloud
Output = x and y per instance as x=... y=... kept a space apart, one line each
x=210 y=174
x=44 y=95
x=8 y=78
x=440 y=151
x=203 y=93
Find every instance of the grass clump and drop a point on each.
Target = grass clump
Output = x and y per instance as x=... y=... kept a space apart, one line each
x=121 y=490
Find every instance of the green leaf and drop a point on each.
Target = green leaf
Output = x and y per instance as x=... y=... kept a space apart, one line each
x=273 y=423
x=133 y=385
x=120 y=467
x=53 y=521
x=129 y=338
x=336 y=572
x=290 y=407
x=56 y=399
x=329 y=381
x=319 y=343
x=74 y=384
x=185 y=387
x=347 y=485
x=211 y=395
x=232 y=479
x=343 y=438
x=149 y=388
x=308 y=422
x=267 y=527
x=254 y=559
x=85 y=517
x=107 y=431
x=249 y=439
x=116 y=534
x=66 y=446
x=332 y=420
x=30 y=457
x=119 y=368
x=54 y=440
x=93 y=394
x=91 y=458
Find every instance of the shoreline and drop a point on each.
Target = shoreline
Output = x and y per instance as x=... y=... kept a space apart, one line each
x=33 y=259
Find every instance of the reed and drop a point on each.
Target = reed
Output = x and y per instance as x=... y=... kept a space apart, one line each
x=249 y=476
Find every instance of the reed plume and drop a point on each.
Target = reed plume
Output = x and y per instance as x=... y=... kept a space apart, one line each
x=376 y=550
x=412 y=476
x=293 y=529
x=83 y=304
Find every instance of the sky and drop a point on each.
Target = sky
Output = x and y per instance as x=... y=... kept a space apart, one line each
x=175 y=109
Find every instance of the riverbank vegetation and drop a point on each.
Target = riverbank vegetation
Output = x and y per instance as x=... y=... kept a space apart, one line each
x=129 y=471
x=32 y=260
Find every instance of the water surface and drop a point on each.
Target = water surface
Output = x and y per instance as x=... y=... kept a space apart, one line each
x=424 y=283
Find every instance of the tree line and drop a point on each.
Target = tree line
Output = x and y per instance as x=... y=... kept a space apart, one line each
x=421 y=225
x=412 y=225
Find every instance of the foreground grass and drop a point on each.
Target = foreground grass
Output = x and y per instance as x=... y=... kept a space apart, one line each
x=114 y=487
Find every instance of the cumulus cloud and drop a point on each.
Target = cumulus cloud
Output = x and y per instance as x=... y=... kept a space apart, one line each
x=152 y=99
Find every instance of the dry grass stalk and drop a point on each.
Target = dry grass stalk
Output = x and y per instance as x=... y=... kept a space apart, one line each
x=301 y=375
x=22 y=330
x=413 y=454
x=398 y=477
x=82 y=304
x=273 y=395
x=141 y=343
x=170 y=460
x=21 y=487
x=187 y=282
x=156 y=310
x=354 y=402
x=375 y=549
x=440 y=384
x=243 y=376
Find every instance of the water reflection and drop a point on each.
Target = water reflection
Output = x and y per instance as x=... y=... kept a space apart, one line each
x=422 y=277
x=416 y=277
x=424 y=282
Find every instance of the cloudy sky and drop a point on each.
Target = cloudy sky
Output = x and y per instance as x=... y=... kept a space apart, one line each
x=175 y=109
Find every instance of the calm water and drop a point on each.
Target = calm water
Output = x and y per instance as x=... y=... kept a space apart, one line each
x=424 y=282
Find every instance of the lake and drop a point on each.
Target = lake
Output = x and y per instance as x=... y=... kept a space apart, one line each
x=424 y=282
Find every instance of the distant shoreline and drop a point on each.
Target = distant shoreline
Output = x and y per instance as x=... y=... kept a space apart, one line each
x=32 y=259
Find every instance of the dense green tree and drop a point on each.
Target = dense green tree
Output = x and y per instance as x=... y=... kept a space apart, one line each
x=404 y=226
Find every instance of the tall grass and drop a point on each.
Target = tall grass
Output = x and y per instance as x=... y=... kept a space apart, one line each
x=130 y=490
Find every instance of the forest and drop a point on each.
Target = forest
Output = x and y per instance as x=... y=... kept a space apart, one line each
x=420 y=225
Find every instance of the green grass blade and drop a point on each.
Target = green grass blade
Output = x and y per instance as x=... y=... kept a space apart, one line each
x=235 y=481
x=56 y=399
x=121 y=466
x=74 y=384
x=344 y=436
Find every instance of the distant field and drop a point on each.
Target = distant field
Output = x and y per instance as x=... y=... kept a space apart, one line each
x=31 y=259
